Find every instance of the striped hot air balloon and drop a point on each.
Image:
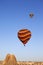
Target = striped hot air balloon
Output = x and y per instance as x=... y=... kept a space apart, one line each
x=24 y=35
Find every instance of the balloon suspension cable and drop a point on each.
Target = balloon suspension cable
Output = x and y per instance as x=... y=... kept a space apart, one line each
x=24 y=44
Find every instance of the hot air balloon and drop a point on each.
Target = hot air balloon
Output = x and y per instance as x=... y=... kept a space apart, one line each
x=31 y=15
x=24 y=35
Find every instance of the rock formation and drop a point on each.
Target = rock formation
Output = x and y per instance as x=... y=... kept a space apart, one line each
x=10 y=60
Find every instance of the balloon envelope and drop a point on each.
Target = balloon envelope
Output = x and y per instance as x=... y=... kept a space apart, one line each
x=24 y=35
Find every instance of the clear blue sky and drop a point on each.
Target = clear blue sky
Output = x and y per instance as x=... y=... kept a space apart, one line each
x=14 y=15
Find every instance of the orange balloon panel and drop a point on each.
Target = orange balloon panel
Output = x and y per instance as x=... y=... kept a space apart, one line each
x=24 y=35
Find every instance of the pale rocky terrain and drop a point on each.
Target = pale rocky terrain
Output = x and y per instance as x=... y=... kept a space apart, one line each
x=29 y=63
x=25 y=63
x=11 y=60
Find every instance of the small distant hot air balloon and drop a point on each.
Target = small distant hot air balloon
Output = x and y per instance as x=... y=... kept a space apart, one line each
x=31 y=15
x=24 y=35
